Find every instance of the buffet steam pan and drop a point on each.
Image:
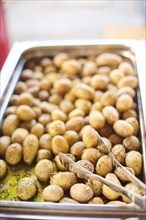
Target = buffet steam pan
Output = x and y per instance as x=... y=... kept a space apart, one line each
x=22 y=52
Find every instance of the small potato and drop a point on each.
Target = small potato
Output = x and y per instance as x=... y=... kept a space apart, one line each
x=108 y=59
x=55 y=99
x=4 y=143
x=83 y=91
x=119 y=153
x=77 y=149
x=102 y=149
x=53 y=193
x=25 y=99
x=11 y=110
x=19 y=135
x=133 y=188
x=126 y=90
x=71 y=137
x=59 y=59
x=28 y=124
x=131 y=143
x=43 y=95
x=122 y=175
x=37 y=130
x=96 y=119
x=91 y=154
x=59 y=163
x=130 y=81
x=129 y=113
x=43 y=154
x=3 y=169
x=59 y=144
x=97 y=107
x=126 y=68
x=89 y=68
x=84 y=105
x=14 y=100
x=81 y=192
x=104 y=70
x=99 y=82
x=62 y=86
x=134 y=160
x=66 y=106
x=76 y=112
x=75 y=124
x=110 y=114
x=106 y=131
x=108 y=98
x=43 y=170
x=26 y=189
x=45 y=84
x=97 y=95
x=37 y=110
x=10 y=124
x=134 y=123
x=68 y=200
x=44 y=119
x=115 y=139
x=56 y=128
x=53 y=77
x=25 y=113
x=58 y=115
x=86 y=164
x=20 y=87
x=96 y=200
x=107 y=191
x=64 y=180
x=115 y=75
x=124 y=103
x=71 y=67
x=30 y=148
x=89 y=136
x=96 y=186
x=104 y=165
x=13 y=154
x=123 y=128
x=45 y=142
x=48 y=107
x=27 y=74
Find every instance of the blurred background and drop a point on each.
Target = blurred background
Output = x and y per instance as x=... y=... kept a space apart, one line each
x=23 y=20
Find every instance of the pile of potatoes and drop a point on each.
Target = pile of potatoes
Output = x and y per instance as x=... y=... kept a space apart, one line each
x=59 y=105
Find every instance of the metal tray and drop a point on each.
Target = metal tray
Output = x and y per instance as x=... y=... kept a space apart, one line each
x=19 y=55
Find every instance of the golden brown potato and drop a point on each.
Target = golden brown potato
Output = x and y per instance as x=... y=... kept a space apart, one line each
x=56 y=128
x=43 y=154
x=131 y=187
x=45 y=62
x=19 y=135
x=115 y=75
x=11 y=110
x=97 y=95
x=134 y=160
x=77 y=149
x=62 y=86
x=96 y=200
x=13 y=154
x=107 y=191
x=126 y=90
x=89 y=68
x=27 y=74
x=129 y=113
x=55 y=99
x=30 y=148
x=71 y=137
x=108 y=59
x=123 y=128
x=130 y=81
x=75 y=124
x=120 y=173
x=37 y=110
x=3 y=169
x=59 y=144
x=25 y=113
x=37 y=130
x=134 y=123
x=97 y=107
x=96 y=186
x=96 y=119
x=58 y=115
x=106 y=131
x=10 y=124
x=43 y=95
x=104 y=165
x=64 y=180
x=20 y=87
x=76 y=112
x=43 y=170
x=53 y=193
x=25 y=99
x=26 y=189
x=71 y=67
x=59 y=59
x=68 y=200
x=86 y=164
x=131 y=143
x=66 y=106
x=108 y=98
x=83 y=91
x=110 y=114
x=124 y=103
x=48 y=107
x=119 y=152
x=89 y=136
x=99 y=82
x=45 y=84
x=84 y=105
x=126 y=68
x=91 y=154
x=81 y=192
x=44 y=119
x=45 y=142
x=115 y=139
x=4 y=143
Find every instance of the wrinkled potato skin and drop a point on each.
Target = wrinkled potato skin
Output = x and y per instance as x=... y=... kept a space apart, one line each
x=53 y=193
x=13 y=154
x=81 y=192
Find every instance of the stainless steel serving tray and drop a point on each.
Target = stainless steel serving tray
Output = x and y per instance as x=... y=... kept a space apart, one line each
x=22 y=52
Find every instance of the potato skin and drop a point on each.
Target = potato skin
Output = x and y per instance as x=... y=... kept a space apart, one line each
x=56 y=128
x=89 y=137
x=43 y=154
x=59 y=144
x=43 y=170
x=81 y=192
x=75 y=124
x=53 y=193
x=68 y=200
x=96 y=200
x=96 y=119
x=10 y=124
x=91 y=154
x=83 y=91
x=4 y=143
x=131 y=143
x=13 y=154
x=77 y=149
x=26 y=189
x=134 y=160
x=123 y=128
x=19 y=135
x=119 y=152
x=104 y=165
x=110 y=114
x=45 y=142
x=30 y=148
x=96 y=186
x=131 y=187
x=124 y=103
x=108 y=59
x=25 y=113
x=63 y=179
x=86 y=164
x=3 y=169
